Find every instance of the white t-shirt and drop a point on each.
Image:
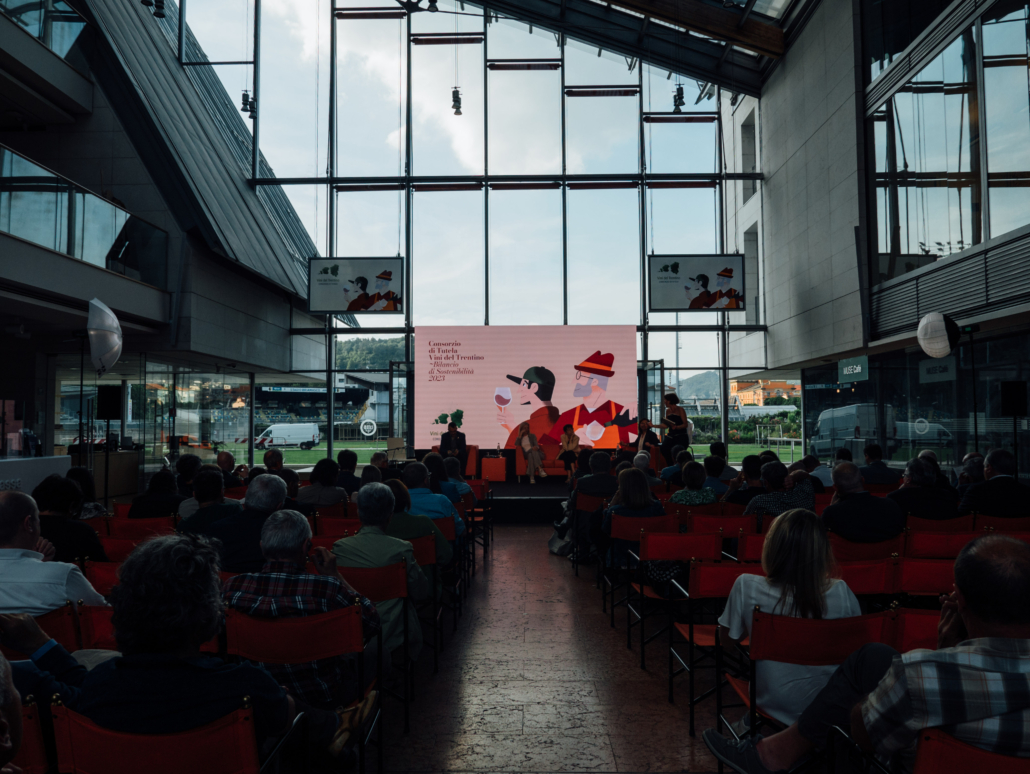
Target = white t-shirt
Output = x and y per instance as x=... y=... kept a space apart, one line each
x=784 y=690
x=30 y=585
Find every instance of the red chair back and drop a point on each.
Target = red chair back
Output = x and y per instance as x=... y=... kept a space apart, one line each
x=915 y=629
x=425 y=550
x=327 y=525
x=937 y=545
x=447 y=526
x=103 y=576
x=31 y=757
x=227 y=746
x=961 y=524
x=729 y=526
x=237 y=492
x=814 y=642
x=61 y=624
x=96 y=627
x=714 y=581
x=478 y=487
x=590 y=503
x=118 y=548
x=338 y=511
x=379 y=584
x=676 y=547
x=938 y=751
x=1005 y=526
x=874 y=577
x=140 y=529
x=121 y=510
x=630 y=527
x=882 y=489
x=733 y=509
x=100 y=525
x=847 y=551
x=749 y=548
x=926 y=577
x=294 y=640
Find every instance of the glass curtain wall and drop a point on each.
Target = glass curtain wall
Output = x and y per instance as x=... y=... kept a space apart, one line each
x=951 y=148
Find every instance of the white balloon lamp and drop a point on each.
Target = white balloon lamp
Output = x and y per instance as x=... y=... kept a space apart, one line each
x=105 y=336
x=938 y=334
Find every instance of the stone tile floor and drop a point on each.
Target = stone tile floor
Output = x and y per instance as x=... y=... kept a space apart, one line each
x=535 y=680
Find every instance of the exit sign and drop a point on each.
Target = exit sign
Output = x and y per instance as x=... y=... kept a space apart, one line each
x=854 y=369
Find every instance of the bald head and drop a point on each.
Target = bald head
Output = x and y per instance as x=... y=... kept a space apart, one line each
x=225 y=461
x=19 y=520
x=847 y=478
x=928 y=454
x=993 y=575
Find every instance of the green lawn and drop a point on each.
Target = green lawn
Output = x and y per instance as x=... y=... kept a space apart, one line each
x=738 y=451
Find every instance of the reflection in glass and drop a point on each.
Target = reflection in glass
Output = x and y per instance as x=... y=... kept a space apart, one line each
x=53 y=23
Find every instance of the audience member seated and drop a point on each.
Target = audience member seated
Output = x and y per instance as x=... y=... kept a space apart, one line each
x=634 y=499
x=372 y=547
x=785 y=491
x=718 y=449
x=240 y=533
x=284 y=588
x=875 y=470
x=426 y=502
x=232 y=474
x=211 y=503
x=369 y=474
x=453 y=468
x=292 y=481
x=186 y=468
x=817 y=485
x=582 y=466
x=50 y=670
x=920 y=497
x=1001 y=493
x=843 y=454
x=28 y=582
x=748 y=483
x=348 y=462
x=381 y=461
x=857 y=515
x=439 y=481
x=168 y=604
x=626 y=465
x=942 y=482
x=405 y=525
x=642 y=462
x=600 y=483
x=569 y=450
x=89 y=508
x=972 y=472
x=675 y=467
x=818 y=470
x=768 y=455
x=160 y=499
x=714 y=467
x=57 y=498
x=323 y=489
x=799 y=582
x=695 y=487
x=973 y=686
x=254 y=472
x=189 y=506
x=273 y=459
x=528 y=446
x=452 y=444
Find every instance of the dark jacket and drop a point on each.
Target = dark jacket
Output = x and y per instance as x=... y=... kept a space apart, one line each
x=598 y=485
x=864 y=518
x=154 y=505
x=229 y=481
x=926 y=502
x=241 y=540
x=1002 y=496
x=879 y=473
x=347 y=480
x=56 y=672
x=744 y=496
x=457 y=443
x=72 y=539
x=305 y=509
x=201 y=519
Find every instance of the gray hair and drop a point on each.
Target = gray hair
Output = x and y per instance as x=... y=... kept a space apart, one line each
x=377 y=457
x=642 y=461
x=920 y=473
x=453 y=467
x=266 y=493
x=284 y=535
x=847 y=477
x=375 y=504
x=929 y=453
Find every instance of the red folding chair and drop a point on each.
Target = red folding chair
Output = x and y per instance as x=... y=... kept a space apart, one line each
x=100 y=525
x=454 y=578
x=382 y=584
x=103 y=576
x=848 y=551
x=749 y=548
x=329 y=525
x=584 y=504
x=706 y=583
x=425 y=557
x=627 y=530
x=802 y=641
x=937 y=545
x=940 y=752
x=141 y=529
x=729 y=526
x=871 y=577
x=121 y=510
x=1003 y=525
x=237 y=492
x=301 y=640
x=226 y=746
x=732 y=509
x=914 y=629
x=118 y=548
x=662 y=546
x=32 y=756
x=338 y=511
x=60 y=624
x=961 y=524
x=96 y=627
x=926 y=577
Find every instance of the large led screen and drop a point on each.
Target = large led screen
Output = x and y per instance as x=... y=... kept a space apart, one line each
x=489 y=380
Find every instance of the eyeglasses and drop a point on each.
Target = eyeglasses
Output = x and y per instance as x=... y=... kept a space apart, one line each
x=589 y=377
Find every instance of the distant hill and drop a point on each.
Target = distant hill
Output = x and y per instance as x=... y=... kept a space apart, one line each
x=704 y=385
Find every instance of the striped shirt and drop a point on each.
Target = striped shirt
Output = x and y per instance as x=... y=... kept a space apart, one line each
x=978 y=691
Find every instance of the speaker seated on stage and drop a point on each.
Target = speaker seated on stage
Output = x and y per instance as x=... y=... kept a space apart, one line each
x=452 y=444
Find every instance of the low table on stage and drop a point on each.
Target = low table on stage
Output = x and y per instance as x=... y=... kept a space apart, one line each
x=494 y=468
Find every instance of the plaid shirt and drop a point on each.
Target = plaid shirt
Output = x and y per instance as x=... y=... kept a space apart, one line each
x=285 y=590
x=775 y=503
x=978 y=691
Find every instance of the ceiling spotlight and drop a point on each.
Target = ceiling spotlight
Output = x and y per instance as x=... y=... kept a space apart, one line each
x=246 y=102
x=159 y=9
x=147 y=3
x=678 y=101
x=456 y=101
x=432 y=6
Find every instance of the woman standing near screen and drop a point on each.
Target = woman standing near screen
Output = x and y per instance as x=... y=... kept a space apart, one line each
x=675 y=422
x=532 y=452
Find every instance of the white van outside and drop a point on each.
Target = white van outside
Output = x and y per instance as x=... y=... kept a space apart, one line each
x=851 y=427
x=302 y=434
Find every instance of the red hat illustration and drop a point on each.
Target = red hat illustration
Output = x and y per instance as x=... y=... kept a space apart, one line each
x=598 y=364
x=388 y=276
x=727 y=272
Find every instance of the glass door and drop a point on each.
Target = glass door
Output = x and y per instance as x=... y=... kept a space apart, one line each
x=402 y=395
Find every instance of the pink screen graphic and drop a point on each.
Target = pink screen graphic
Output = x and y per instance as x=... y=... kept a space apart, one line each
x=490 y=379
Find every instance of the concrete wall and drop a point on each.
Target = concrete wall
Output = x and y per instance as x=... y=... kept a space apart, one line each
x=810 y=197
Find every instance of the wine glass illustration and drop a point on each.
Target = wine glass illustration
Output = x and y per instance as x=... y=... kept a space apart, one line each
x=502 y=397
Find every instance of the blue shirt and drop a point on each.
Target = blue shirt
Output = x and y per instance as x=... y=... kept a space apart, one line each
x=464 y=489
x=716 y=485
x=669 y=472
x=450 y=489
x=435 y=506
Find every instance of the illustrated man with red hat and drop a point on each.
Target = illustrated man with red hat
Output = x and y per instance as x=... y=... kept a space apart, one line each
x=598 y=422
x=725 y=296
x=384 y=299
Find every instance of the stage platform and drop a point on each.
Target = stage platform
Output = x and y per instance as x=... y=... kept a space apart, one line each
x=525 y=503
